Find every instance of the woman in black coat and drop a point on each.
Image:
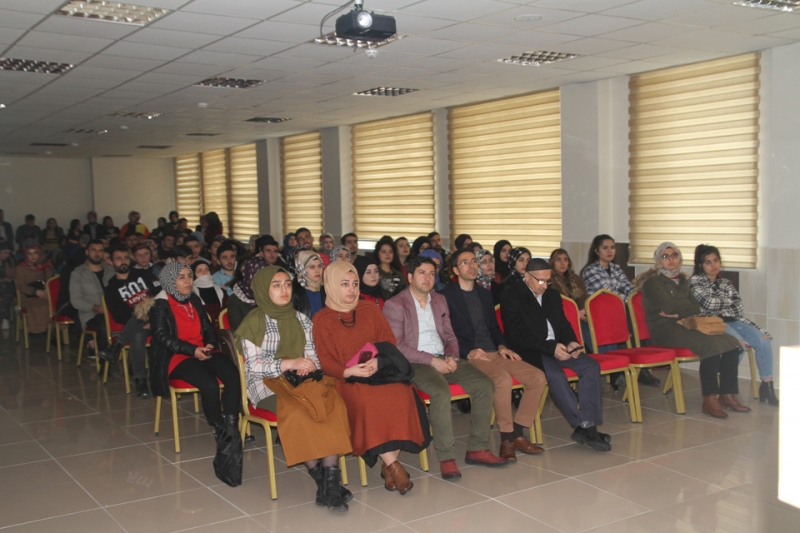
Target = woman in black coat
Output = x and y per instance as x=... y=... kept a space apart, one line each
x=185 y=347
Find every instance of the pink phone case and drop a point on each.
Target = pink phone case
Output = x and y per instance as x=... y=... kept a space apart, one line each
x=367 y=352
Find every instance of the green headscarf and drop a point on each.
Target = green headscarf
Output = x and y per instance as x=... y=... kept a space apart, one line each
x=254 y=326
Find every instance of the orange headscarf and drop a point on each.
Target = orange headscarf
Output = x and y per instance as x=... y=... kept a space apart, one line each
x=334 y=274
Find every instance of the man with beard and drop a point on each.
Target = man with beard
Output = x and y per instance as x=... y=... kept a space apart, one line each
x=86 y=291
x=122 y=293
x=92 y=228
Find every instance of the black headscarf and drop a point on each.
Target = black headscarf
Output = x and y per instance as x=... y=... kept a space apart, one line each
x=500 y=267
x=418 y=242
x=513 y=256
x=361 y=268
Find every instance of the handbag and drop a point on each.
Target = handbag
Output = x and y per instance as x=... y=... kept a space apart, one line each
x=709 y=325
x=296 y=379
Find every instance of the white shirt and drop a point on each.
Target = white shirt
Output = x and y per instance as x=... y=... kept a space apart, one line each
x=429 y=339
x=551 y=335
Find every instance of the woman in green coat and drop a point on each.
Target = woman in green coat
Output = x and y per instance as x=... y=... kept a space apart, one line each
x=667 y=299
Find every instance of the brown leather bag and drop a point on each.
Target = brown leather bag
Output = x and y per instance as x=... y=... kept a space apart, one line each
x=710 y=325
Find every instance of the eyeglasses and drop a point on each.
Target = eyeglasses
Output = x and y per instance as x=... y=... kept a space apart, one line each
x=547 y=281
x=674 y=255
x=469 y=262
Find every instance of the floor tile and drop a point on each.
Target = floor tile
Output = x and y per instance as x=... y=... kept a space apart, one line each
x=309 y=517
x=50 y=407
x=714 y=466
x=237 y=525
x=253 y=497
x=254 y=465
x=651 y=522
x=494 y=482
x=20 y=453
x=80 y=434
x=480 y=518
x=759 y=446
x=195 y=447
x=97 y=521
x=574 y=460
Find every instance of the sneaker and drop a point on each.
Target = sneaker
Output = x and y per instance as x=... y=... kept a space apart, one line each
x=5 y=325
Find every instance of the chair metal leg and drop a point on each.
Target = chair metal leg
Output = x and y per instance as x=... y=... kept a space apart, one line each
x=343 y=468
x=125 y=370
x=751 y=353
x=633 y=402
x=174 y=401
x=677 y=387
x=49 y=334
x=362 y=469
x=25 y=331
x=58 y=341
x=80 y=347
x=537 y=435
x=158 y=415
x=273 y=486
x=634 y=396
x=423 y=460
x=668 y=382
x=196 y=402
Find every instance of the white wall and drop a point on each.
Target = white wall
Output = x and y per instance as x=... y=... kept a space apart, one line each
x=45 y=187
x=126 y=184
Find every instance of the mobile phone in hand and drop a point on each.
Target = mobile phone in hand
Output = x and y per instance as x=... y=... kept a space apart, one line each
x=576 y=349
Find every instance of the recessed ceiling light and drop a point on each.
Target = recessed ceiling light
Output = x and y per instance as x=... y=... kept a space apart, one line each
x=82 y=130
x=268 y=120
x=135 y=114
x=27 y=65
x=154 y=147
x=2 y=106
x=778 y=5
x=115 y=155
x=332 y=40
x=112 y=12
x=229 y=83
x=201 y=134
x=528 y=18
x=49 y=144
x=537 y=58
x=385 y=91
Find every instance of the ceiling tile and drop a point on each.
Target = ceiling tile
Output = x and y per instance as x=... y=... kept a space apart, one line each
x=592 y=45
x=719 y=16
x=590 y=25
x=711 y=40
x=482 y=52
x=438 y=64
x=658 y=9
x=794 y=34
x=424 y=45
x=18 y=19
x=584 y=6
x=41 y=39
x=648 y=32
x=180 y=39
x=281 y=31
x=536 y=40
x=146 y=51
x=238 y=45
x=8 y=36
x=83 y=27
x=253 y=9
x=638 y=52
x=414 y=25
x=454 y=9
x=290 y=65
x=208 y=57
x=634 y=67
x=508 y=18
x=319 y=52
x=45 y=54
x=191 y=69
x=124 y=63
x=200 y=23
x=33 y=6
x=781 y=22
x=471 y=32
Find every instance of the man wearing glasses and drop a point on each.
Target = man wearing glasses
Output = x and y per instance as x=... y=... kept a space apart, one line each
x=481 y=342
x=536 y=328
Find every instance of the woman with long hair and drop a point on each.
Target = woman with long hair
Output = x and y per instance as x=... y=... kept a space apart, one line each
x=30 y=277
x=53 y=236
x=403 y=253
x=388 y=266
x=109 y=229
x=600 y=271
x=501 y=251
x=214 y=227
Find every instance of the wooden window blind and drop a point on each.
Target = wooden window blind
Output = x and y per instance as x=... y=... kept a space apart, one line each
x=244 y=192
x=301 y=157
x=393 y=177
x=215 y=185
x=188 y=192
x=505 y=171
x=694 y=159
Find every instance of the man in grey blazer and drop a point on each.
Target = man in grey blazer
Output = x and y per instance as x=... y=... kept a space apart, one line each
x=86 y=290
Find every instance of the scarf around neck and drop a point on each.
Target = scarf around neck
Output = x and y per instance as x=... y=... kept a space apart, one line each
x=168 y=277
x=334 y=275
x=483 y=278
x=672 y=274
x=301 y=261
x=513 y=256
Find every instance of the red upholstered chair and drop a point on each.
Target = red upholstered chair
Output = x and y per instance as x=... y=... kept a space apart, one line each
x=22 y=320
x=113 y=330
x=456 y=393
x=61 y=323
x=224 y=323
x=608 y=325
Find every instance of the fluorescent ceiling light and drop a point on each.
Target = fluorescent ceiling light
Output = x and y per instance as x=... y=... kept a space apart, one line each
x=27 y=65
x=201 y=134
x=537 y=58
x=385 y=91
x=786 y=6
x=134 y=114
x=267 y=120
x=154 y=147
x=228 y=83
x=49 y=144
x=332 y=40
x=82 y=130
x=112 y=12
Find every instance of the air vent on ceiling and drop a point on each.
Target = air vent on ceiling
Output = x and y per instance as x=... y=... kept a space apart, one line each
x=537 y=58
x=385 y=91
x=268 y=120
x=48 y=144
x=27 y=65
x=134 y=114
x=778 y=5
x=82 y=130
x=20 y=153
x=332 y=40
x=153 y=147
x=115 y=155
x=106 y=11
x=229 y=83
x=201 y=134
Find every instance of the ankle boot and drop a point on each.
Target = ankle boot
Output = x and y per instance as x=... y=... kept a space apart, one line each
x=228 y=459
x=388 y=480
x=317 y=474
x=712 y=407
x=111 y=354
x=400 y=477
x=766 y=393
x=730 y=401
x=330 y=493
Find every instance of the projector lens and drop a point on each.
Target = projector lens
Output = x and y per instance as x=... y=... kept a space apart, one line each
x=364 y=19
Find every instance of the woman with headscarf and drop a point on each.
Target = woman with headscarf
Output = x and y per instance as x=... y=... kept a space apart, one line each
x=434 y=255
x=370 y=287
x=462 y=240
x=242 y=301
x=30 y=277
x=340 y=253
x=486 y=274
x=276 y=341
x=667 y=299
x=289 y=244
x=517 y=261
x=308 y=293
x=384 y=419
x=501 y=251
x=420 y=243
x=213 y=297
x=185 y=347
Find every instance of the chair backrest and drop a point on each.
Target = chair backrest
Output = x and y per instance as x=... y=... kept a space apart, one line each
x=52 y=288
x=573 y=315
x=636 y=311
x=608 y=321
x=229 y=346
x=224 y=323
x=499 y=318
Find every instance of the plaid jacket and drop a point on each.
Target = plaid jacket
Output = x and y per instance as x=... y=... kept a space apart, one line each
x=719 y=298
x=260 y=362
x=595 y=277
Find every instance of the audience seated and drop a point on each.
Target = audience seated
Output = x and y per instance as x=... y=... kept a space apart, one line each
x=242 y=301
x=86 y=288
x=388 y=266
x=7 y=286
x=403 y=253
x=419 y=318
x=370 y=288
x=29 y=232
x=340 y=253
x=536 y=328
x=224 y=277
x=213 y=228
x=92 y=228
x=123 y=293
x=487 y=274
x=212 y=296
x=386 y=416
x=142 y=257
x=134 y=226
x=305 y=239
x=501 y=250
x=277 y=341
x=165 y=247
x=308 y=293
x=420 y=243
x=181 y=254
x=326 y=243
x=462 y=241
x=571 y=285
x=718 y=297
x=185 y=347
x=53 y=236
x=196 y=246
x=6 y=230
x=30 y=277
x=481 y=342
x=600 y=271
x=517 y=261
x=109 y=229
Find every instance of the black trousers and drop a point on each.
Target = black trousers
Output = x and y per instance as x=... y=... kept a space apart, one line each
x=135 y=334
x=98 y=323
x=590 y=411
x=727 y=367
x=203 y=375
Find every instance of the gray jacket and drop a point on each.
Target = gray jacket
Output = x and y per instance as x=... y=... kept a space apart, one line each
x=85 y=290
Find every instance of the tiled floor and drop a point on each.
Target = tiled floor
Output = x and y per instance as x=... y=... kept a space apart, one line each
x=79 y=456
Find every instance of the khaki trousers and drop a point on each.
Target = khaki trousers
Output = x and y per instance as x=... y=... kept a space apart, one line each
x=500 y=370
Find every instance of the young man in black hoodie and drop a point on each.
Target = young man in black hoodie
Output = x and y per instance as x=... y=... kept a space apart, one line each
x=126 y=289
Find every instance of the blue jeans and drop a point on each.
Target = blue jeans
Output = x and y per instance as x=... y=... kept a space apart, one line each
x=752 y=336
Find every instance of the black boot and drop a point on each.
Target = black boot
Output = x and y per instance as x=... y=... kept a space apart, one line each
x=766 y=393
x=647 y=378
x=141 y=388
x=228 y=460
x=111 y=354
x=316 y=473
x=329 y=494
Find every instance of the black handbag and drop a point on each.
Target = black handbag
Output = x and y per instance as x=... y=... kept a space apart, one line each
x=296 y=379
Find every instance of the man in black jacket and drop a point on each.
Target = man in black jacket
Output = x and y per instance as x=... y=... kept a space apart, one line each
x=481 y=342
x=126 y=289
x=537 y=329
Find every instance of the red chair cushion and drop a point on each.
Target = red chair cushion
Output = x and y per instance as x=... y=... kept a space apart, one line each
x=609 y=362
x=609 y=319
x=87 y=329
x=646 y=356
x=683 y=352
x=61 y=319
x=570 y=374
x=455 y=390
x=225 y=322
x=269 y=416
x=514 y=382
x=180 y=384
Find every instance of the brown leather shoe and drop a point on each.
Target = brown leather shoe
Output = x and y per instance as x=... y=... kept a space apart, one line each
x=525 y=446
x=388 y=480
x=400 y=477
x=449 y=469
x=484 y=457
x=712 y=407
x=730 y=401
x=507 y=451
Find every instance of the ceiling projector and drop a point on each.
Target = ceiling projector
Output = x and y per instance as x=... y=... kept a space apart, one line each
x=364 y=25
